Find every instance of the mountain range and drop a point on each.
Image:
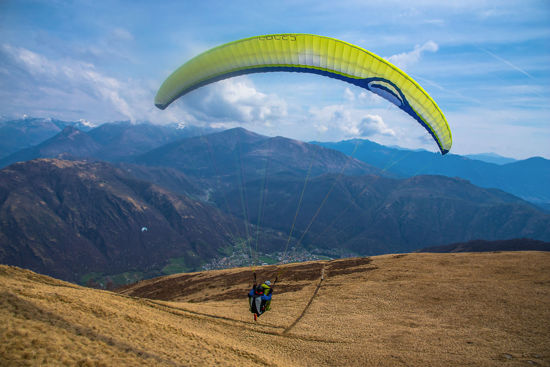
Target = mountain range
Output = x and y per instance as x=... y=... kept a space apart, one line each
x=25 y=133
x=490 y=158
x=150 y=200
x=526 y=178
x=236 y=156
x=45 y=138
x=375 y=214
x=70 y=218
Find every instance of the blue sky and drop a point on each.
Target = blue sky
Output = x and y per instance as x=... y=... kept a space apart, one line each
x=486 y=63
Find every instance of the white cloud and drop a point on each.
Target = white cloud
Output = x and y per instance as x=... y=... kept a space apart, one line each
x=33 y=62
x=370 y=98
x=362 y=97
x=406 y=59
x=373 y=125
x=365 y=127
x=341 y=121
x=64 y=77
x=234 y=100
x=349 y=95
x=322 y=128
x=72 y=89
x=122 y=34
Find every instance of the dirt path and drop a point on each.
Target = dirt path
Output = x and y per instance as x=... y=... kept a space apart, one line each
x=287 y=330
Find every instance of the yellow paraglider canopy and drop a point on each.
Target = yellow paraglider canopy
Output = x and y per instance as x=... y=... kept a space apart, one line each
x=312 y=54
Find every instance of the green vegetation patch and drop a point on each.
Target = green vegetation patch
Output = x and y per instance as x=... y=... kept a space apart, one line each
x=268 y=260
x=226 y=250
x=100 y=280
x=89 y=278
x=127 y=277
x=323 y=257
x=176 y=265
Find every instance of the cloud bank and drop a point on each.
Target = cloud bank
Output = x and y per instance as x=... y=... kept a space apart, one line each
x=233 y=101
x=78 y=89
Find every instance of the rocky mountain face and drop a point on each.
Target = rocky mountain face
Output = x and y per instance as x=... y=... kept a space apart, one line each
x=69 y=143
x=375 y=215
x=68 y=218
x=235 y=156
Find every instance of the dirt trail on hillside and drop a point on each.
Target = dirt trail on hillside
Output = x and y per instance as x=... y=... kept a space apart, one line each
x=488 y=309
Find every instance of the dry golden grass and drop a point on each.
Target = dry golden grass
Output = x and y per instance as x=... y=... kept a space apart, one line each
x=487 y=309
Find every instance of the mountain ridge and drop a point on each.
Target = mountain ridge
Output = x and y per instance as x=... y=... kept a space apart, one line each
x=372 y=214
x=69 y=218
x=522 y=178
x=114 y=142
x=239 y=155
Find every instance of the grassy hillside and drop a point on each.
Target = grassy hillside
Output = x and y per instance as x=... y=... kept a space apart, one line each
x=483 y=309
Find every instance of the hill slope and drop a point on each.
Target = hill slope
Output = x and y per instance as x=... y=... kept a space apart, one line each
x=70 y=218
x=393 y=310
x=371 y=215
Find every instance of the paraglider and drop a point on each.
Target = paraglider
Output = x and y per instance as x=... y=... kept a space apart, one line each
x=307 y=53
x=144 y=229
x=311 y=54
x=259 y=298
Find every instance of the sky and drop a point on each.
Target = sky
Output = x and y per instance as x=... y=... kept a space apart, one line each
x=485 y=63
